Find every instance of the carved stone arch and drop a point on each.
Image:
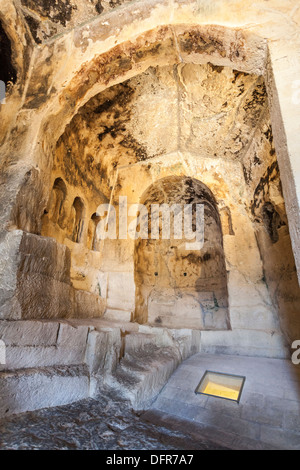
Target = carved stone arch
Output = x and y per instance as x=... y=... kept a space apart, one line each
x=76 y=222
x=177 y=286
x=56 y=202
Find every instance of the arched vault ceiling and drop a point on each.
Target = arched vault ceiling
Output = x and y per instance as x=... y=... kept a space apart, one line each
x=207 y=111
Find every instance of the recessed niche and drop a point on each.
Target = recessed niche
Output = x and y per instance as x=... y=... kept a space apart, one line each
x=190 y=290
x=7 y=72
x=77 y=219
x=217 y=384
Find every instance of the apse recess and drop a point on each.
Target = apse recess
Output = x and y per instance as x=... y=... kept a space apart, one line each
x=193 y=122
x=174 y=282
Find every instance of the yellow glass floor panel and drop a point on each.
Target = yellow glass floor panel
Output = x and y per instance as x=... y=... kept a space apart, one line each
x=221 y=385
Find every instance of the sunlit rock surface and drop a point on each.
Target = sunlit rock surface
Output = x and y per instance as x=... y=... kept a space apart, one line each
x=154 y=102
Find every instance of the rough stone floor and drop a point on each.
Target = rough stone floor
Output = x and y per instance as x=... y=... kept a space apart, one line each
x=267 y=416
x=104 y=424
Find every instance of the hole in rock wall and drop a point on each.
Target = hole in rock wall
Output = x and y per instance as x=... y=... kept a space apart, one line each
x=7 y=71
x=176 y=286
x=271 y=220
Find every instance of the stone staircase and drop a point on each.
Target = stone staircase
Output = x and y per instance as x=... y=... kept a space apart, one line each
x=56 y=362
x=151 y=355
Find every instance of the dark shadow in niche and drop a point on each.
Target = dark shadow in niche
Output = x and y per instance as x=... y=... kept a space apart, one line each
x=58 y=197
x=227 y=226
x=77 y=215
x=8 y=73
x=92 y=229
x=272 y=221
